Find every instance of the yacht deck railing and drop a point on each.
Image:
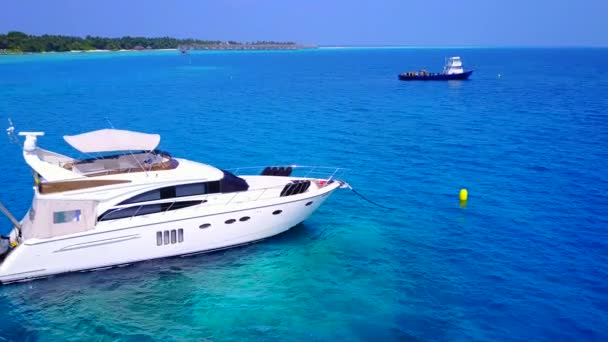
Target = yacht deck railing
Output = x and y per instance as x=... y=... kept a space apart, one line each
x=303 y=171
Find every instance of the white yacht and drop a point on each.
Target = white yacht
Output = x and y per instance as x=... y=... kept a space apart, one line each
x=143 y=204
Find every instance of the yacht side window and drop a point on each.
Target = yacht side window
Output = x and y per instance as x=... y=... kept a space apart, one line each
x=153 y=195
x=165 y=193
x=138 y=210
x=184 y=190
x=190 y=189
x=194 y=189
x=66 y=216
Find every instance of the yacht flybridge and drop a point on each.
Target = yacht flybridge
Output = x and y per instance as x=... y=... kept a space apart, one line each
x=142 y=204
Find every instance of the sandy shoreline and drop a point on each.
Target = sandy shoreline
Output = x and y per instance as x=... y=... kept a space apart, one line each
x=121 y=50
x=6 y=53
x=210 y=48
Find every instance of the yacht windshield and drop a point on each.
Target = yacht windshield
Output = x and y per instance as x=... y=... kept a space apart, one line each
x=123 y=162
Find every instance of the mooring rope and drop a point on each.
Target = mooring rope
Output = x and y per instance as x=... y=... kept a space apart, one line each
x=365 y=198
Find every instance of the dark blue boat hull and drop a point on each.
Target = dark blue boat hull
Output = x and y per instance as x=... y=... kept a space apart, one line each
x=436 y=77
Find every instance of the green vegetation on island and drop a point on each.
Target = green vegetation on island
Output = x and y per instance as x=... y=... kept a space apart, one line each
x=16 y=42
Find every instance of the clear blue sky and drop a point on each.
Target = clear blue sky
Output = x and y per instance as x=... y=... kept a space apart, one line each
x=324 y=22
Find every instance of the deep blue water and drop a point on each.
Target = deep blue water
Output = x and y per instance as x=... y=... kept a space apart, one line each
x=526 y=259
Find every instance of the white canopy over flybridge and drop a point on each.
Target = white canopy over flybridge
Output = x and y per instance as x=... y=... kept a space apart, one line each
x=110 y=140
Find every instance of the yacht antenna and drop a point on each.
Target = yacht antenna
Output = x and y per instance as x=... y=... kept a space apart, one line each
x=10 y=131
x=109 y=122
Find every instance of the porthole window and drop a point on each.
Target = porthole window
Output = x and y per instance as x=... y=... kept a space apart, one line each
x=231 y=221
x=166 y=237
x=173 y=236
x=244 y=218
x=277 y=212
x=159 y=238
x=180 y=235
x=309 y=203
x=205 y=225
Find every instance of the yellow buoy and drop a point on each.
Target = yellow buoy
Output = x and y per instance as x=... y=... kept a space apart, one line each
x=464 y=194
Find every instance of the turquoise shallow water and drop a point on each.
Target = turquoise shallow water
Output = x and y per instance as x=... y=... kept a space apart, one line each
x=526 y=259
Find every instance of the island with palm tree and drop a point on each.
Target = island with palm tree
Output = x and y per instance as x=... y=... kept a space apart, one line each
x=19 y=42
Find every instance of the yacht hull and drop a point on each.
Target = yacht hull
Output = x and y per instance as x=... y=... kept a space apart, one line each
x=436 y=77
x=197 y=234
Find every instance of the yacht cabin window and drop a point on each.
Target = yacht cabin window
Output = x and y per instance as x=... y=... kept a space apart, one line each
x=138 y=210
x=229 y=183
x=66 y=216
x=193 y=189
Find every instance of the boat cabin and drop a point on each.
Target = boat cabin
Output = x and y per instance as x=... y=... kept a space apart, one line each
x=453 y=65
x=73 y=195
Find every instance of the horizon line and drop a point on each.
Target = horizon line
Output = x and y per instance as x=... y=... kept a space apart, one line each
x=404 y=46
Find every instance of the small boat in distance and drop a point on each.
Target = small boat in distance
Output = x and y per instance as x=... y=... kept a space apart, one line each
x=451 y=71
x=183 y=49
